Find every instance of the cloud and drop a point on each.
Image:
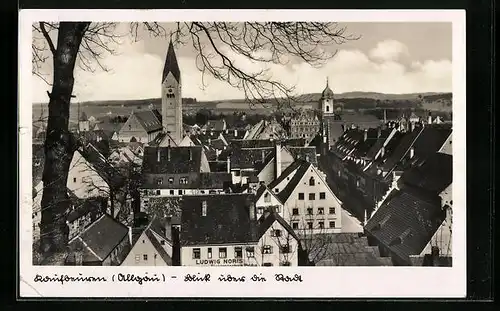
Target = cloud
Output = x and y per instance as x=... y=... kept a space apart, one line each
x=137 y=75
x=388 y=50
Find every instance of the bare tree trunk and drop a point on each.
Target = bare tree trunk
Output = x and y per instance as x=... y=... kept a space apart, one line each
x=59 y=143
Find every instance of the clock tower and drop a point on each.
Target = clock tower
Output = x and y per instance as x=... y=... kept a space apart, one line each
x=171 y=96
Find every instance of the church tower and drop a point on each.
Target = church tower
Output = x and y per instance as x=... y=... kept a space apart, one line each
x=171 y=96
x=327 y=100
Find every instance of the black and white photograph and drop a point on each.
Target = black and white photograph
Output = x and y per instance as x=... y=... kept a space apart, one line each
x=270 y=143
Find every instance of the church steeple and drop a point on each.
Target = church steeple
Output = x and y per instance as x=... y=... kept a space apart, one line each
x=171 y=64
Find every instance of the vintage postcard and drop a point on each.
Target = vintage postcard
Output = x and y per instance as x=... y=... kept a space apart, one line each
x=248 y=153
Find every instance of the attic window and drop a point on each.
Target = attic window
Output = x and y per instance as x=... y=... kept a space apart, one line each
x=312 y=182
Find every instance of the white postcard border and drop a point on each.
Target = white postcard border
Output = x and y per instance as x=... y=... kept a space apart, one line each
x=319 y=282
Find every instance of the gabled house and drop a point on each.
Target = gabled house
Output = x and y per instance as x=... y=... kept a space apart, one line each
x=141 y=126
x=151 y=246
x=224 y=231
x=266 y=130
x=179 y=171
x=105 y=242
x=266 y=199
x=310 y=206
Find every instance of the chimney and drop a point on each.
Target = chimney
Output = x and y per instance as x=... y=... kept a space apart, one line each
x=365 y=137
x=412 y=152
x=158 y=155
x=429 y=118
x=228 y=163
x=263 y=155
x=412 y=126
x=235 y=133
x=278 y=158
x=209 y=141
x=190 y=155
x=385 y=117
x=130 y=235
x=168 y=154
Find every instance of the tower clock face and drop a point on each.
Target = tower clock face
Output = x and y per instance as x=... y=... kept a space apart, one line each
x=170 y=90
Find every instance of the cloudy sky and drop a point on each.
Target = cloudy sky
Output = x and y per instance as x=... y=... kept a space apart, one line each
x=388 y=58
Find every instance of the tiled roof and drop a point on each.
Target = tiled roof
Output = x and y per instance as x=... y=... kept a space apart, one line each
x=407 y=140
x=286 y=173
x=266 y=221
x=156 y=244
x=346 y=249
x=407 y=222
x=284 y=194
x=149 y=120
x=374 y=149
x=171 y=64
x=173 y=160
x=217 y=125
x=102 y=236
x=83 y=207
x=434 y=175
x=227 y=219
x=348 y=142
x=215 y=180
x=249 y=158
x=266 y=143
x=304 y=153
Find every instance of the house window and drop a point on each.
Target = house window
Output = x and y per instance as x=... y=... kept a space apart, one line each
x=267 y=249
x=183 y=180
x=196 y=253
x=158 y=192
x=159 y=181
x=180 y=192
x=322 y=195
x=321 y=210
x=309 y=225
x=276 y=190
x=74 y=179
x=137 y=258
x=250 y=251
x=295 y=211
x=162 y=242
x=238 y=252
x=145 y=257
x=276 y=233
x=312 y=196
x=301 y=196
x=312 y=182
x=202 y=191
x=260 y=210
x=171 y=192
x=285 y=249
x=222 y=252
x=331 y=210
x=236 y=173
x=309 y=211
x=267 y=197
x=204 y=208
x=332 y=224
x=295 y=225
x=321 y=224
x=209 y=253
x=170 y=180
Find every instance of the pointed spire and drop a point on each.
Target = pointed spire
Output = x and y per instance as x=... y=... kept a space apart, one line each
x=326 y=81
x=171 y=64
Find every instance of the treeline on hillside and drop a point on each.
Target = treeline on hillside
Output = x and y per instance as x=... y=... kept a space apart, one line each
x=237 y=118
x=392 y=114
x=367 y=103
